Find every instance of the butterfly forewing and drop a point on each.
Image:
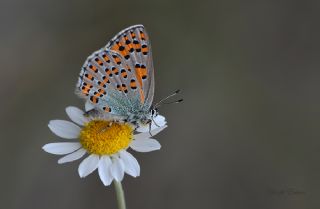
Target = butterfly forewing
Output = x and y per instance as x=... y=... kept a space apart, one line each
x=119 y=78
x=134 y=45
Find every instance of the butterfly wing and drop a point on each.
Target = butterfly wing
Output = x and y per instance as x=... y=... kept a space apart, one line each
x=119 y=79
x=134 y=45
x=104 y=82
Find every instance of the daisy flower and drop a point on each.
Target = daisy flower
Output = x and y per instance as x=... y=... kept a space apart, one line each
x=105 y=142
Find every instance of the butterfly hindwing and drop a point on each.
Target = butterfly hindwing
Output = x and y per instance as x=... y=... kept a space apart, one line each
x=104 y=80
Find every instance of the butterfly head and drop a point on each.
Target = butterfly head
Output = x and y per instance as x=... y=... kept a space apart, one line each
x=143 y=118
x=154 y=112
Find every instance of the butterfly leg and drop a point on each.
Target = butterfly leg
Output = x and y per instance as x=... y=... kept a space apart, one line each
x=154 y=123
x=92 y=112
x=150 y=129
x=134 y=123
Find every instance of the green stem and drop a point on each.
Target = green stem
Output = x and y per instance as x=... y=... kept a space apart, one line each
x=120 y=195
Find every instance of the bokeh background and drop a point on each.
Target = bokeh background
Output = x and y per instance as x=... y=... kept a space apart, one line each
x=246 y=136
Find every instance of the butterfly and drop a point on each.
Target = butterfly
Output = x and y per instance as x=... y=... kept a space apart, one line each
x=118 y=79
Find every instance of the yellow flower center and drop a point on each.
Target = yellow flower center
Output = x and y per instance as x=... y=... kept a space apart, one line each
x=104 y=137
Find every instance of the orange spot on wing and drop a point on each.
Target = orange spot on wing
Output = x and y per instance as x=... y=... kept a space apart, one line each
x=86 y=88
x=100 y=92
x=142 y=35
x=106 y=58
x=94 y=99
x=125 y=52
x=115 y=70
x=105 y=80
x=108 y=71
x=128 y=68
x=123 y=88
x=144 y=49
x=124 y=74
x=130 y=47
x=141 y=72
x=89 y=76
x=116 y=59
x=133 y=35
x=107 y=109
x=133 y=84
x=98 y=61
x=137 y=46
x=138 y=74
x=114 y=48
x=141 y=96
x=93 y=68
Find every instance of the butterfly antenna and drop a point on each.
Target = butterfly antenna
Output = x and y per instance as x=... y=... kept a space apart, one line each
x=164 y=99
x=174 y=102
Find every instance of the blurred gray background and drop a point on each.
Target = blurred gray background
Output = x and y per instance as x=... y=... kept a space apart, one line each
x=247 y=135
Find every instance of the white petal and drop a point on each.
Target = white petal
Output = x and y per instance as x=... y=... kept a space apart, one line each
x=131 y=165
x=76 y=115
x=160 y=120
x=143 y=129
x=88 y=165
x=88 y=106
x=73 y=156
x=145 y=145
x=117 y=169
x=147 y=134
x=64 y=129
x=157 y=122
x=104 y=170
x=61 y=148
